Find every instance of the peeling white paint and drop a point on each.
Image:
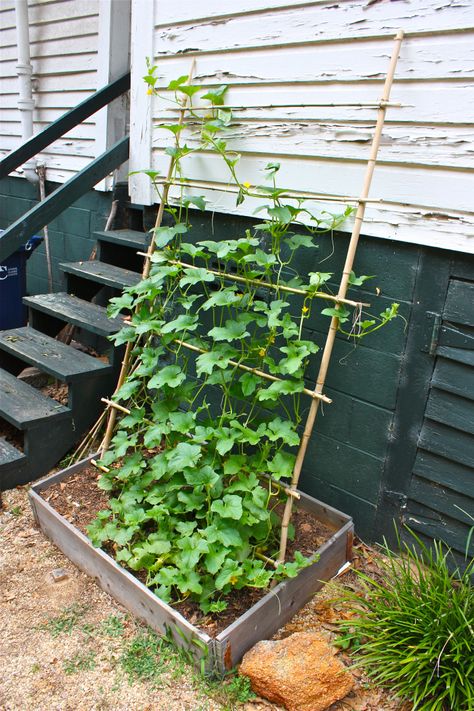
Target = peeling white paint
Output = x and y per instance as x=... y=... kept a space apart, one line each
x=302 y=53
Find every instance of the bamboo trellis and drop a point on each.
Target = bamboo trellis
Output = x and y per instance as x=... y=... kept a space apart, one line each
x=316 y=394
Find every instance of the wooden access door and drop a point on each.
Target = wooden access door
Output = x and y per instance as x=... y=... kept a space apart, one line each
x=440 y=496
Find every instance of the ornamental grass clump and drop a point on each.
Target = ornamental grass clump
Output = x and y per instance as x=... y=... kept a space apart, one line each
x=216 y=387
x=414 y=630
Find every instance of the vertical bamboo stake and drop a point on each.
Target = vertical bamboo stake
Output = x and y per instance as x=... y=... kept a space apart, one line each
x=145 y=273
x=326 y=356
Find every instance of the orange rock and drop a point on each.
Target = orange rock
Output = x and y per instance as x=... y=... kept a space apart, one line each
x=299 y=672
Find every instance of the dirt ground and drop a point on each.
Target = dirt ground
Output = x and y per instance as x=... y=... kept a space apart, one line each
x=66 y=645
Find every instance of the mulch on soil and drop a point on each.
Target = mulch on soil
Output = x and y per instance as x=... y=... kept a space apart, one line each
x=78 y=499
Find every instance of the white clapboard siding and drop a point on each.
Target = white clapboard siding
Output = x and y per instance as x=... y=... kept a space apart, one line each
x=275 y=53
x=64 y=55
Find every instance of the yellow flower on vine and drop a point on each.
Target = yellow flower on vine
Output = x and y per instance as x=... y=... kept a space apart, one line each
x=149 y=90
x=262 y=352
x=305 y=310
x=247 y=185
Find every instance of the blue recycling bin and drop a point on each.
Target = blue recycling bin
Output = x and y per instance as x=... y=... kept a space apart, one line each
x=13 y=285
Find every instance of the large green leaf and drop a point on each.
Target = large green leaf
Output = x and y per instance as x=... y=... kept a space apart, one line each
x=230 y=506
x=170 y=375
x=182 y=456
x=230 y=332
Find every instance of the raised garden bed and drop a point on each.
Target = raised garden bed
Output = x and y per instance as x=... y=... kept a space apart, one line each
x=223 y=652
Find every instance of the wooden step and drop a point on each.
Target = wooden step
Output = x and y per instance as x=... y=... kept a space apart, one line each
x=126 y=238
x=9 y=455
x=49 y=355
x=23 y=406
x=102 y=273
x=76 y=311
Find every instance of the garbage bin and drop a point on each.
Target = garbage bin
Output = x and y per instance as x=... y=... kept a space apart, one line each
x=13 y=285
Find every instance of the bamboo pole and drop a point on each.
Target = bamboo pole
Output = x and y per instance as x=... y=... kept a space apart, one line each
x=321 y=378
x=239 y=107
x=267 y=285
x=256 y=371
x=145 y=273
x=289 y=194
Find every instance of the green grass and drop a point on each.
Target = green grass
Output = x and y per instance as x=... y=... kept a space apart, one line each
x=415 y=631
x=81 y=661
x=65 y=622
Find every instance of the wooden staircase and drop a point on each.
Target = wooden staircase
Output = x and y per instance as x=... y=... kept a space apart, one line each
x=45 y=429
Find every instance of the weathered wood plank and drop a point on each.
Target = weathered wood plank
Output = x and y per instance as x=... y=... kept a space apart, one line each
x=436 y=525
x=425 y=57
x=445 y=472
x=102 y=273
x=72 y=310
x=123 y=587
x=459 y=305
x=452 y=376
x=440 y=498
x=275 y=609
x=50 y=355
x=24 y=406
x=392 y=183
x=324 y=19
x=447 y=442
x=452 y=410
x=442 y=146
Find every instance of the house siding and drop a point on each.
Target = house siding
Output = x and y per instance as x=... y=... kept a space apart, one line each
x=320 y=52
x=64 y=55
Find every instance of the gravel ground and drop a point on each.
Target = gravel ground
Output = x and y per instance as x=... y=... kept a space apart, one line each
x=63 y=643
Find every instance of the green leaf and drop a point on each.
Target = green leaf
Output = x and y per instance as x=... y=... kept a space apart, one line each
x=170 y=375
x=205 y=476
x=122 y=441
x=176 y=83
x=249 y=382
x=189 y=90
x=193 y=500
x=272 y=168
x=195 y=276
x=216 y=97
x=230 y=332
x=230 y=506
x=317 y=279
x=280 y=213
x=184 y=322
x=341 y=313
x=215 y=558
x=219 y=357
x=358 y=281
x=164 y=235
x=181 y=421
x=284 y=430
x=127 y=390
x=223 y=297
x=282 y=387
x=234 y=464
x=230 y=572
x=197 y=200
x=296 y=241
x=182 y=456
x=281 y=466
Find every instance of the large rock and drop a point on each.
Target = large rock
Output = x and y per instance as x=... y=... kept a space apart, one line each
x=299 y=672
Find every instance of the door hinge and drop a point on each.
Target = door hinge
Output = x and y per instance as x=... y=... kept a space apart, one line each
x=433 y=325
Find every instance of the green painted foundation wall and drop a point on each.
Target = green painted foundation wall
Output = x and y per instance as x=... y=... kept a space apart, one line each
x=70 y=234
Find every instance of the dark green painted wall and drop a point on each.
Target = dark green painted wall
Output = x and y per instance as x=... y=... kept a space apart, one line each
x=70 y=235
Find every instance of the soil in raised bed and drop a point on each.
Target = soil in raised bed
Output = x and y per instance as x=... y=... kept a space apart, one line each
x=78 y=499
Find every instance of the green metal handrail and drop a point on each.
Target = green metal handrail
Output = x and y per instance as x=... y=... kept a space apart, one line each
x=65 y=123
x=26 y=226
